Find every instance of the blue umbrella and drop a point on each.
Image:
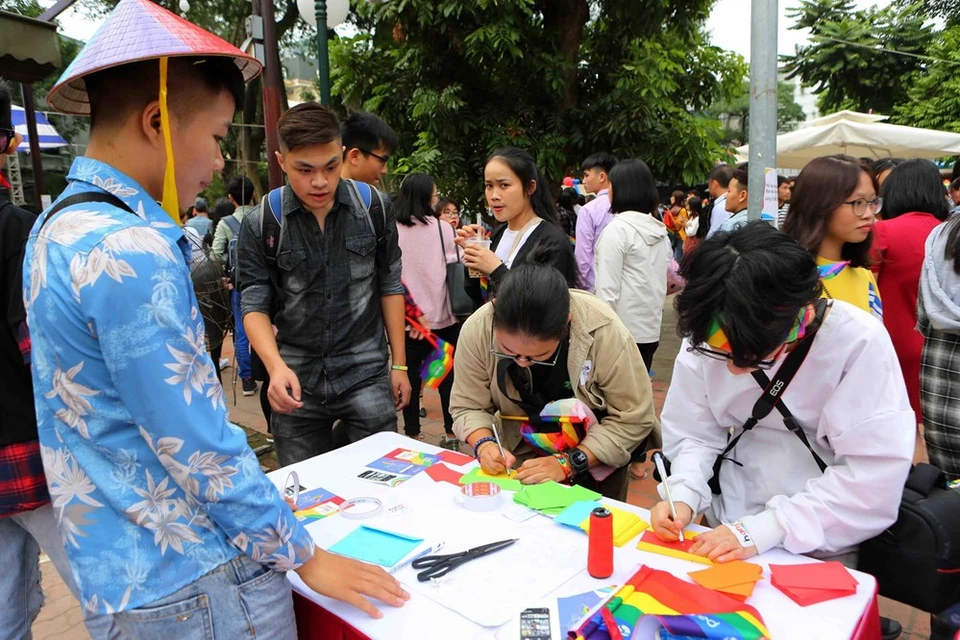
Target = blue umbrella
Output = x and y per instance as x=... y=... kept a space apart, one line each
x=49 y=138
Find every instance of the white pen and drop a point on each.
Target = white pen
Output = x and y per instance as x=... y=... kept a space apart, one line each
x=662 y=470
x=496 y=436
x=423 y=553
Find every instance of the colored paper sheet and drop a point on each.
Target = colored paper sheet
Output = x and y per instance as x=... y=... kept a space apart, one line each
x=404 y=462
x=574 y=608
x=575 y=514
x=455 y=458
x=626 y=525
x=385 y=548
x=510 y=483
x=415 y=457
x=814 y=575
x=317 y=504
x=806 y=597
x=650 y=542
x=443 y=473
x=553 y=496
x=736 y=579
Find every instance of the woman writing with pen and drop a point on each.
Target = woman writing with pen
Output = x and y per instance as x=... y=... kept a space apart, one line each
x=538 y=342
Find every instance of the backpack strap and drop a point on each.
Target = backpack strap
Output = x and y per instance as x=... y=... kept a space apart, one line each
x=81 y=198
x=372 y=203
x=770 y=400
x=233 y=224
x=271 y=226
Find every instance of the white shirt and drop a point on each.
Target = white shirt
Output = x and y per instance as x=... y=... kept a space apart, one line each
x=631 y=262
x=850 y=399
x=509 y=236
x=718 y=215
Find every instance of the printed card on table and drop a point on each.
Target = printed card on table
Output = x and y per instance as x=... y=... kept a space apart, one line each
x=317 y=504
x=397 y=466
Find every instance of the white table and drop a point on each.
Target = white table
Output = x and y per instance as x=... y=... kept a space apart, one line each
x=337 y=472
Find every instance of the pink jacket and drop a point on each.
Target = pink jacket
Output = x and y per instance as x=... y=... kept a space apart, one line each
x=425 y=268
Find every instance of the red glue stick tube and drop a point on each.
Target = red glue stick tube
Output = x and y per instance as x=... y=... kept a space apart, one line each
x=600 y=549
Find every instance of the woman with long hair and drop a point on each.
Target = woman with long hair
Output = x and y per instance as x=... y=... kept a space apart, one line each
x=832 y=213
x=519 y=198
x=632 y=256
x=537 y=343
x=428 y=246
x=913 y=206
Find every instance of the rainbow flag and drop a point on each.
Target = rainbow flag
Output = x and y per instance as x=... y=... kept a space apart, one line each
x=683 y=609
x=439 y=363
x=832 y=270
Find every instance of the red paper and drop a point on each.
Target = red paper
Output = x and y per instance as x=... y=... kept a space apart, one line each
x=815 y=575
x=442 y=473
x=455 y=458
x=652 y=538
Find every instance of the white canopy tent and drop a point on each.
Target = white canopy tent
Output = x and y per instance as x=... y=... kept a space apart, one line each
x=858 y=134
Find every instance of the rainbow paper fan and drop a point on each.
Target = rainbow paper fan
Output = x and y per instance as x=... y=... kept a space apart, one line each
x=439 y=363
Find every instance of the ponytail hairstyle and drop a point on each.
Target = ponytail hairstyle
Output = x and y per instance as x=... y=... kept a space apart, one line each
x=413 y=201
x=525 y=167
x=533 y=299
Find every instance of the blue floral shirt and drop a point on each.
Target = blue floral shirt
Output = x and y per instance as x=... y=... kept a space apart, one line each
x=151 y=485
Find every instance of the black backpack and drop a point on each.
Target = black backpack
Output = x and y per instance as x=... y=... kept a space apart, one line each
x=917 y=560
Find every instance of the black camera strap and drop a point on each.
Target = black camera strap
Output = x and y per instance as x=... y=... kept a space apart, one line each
x=771 y=399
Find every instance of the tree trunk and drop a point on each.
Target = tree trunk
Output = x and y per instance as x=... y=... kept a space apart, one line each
x=251 y=138
x=565 y=20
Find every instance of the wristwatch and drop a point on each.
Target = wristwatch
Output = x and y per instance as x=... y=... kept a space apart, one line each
x=579 y=461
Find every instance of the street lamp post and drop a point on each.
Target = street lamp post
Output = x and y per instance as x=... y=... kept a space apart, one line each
x=323 y=52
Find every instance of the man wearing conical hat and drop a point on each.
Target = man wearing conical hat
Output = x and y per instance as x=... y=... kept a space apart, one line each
x=169 y=524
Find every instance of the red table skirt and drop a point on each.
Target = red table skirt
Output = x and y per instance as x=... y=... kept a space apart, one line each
x=316 y=623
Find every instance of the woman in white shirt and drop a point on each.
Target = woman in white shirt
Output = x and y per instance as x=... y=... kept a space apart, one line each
x=632 y=256
x=749 y=301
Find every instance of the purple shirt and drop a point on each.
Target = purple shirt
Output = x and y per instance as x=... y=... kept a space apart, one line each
x=591 y=221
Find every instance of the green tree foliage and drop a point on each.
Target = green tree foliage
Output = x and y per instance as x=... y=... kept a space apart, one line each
x=949 y=10
x=844 y=62
x=561 y=78
x=735 y=113
x=933 y=100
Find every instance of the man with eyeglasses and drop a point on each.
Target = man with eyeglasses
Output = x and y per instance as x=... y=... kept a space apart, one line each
x=368 y=143
x=821 y=470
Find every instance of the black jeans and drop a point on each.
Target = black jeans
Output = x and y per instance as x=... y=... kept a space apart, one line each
x=417 y=352
x=646 y=352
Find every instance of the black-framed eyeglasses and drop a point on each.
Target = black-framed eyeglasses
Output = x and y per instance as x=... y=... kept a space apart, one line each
x=6 y=137
x=764 y=365
x=860 y=205
x=383 y=160
x=525 y=359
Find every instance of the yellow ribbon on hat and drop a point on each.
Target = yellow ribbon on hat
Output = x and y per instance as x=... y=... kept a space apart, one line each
x=170 y=202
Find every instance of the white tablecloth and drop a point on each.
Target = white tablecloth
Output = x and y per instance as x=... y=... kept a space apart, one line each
x=424 y=499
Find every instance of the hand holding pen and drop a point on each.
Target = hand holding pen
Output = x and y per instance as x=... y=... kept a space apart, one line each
x=669 y=518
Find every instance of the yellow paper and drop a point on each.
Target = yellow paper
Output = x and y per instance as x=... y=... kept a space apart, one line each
x=626 y=525
x=675 y=553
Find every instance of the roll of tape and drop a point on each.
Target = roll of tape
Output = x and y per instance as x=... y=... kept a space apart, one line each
x=291 y=494
x=360 y=508
x=480 y=496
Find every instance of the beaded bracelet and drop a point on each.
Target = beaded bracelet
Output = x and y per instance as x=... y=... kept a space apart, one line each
x=476 y=446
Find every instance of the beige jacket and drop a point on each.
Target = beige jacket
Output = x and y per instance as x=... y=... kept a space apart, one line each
x=604 y=366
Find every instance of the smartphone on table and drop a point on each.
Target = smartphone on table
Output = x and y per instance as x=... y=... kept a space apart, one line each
x=535 y=624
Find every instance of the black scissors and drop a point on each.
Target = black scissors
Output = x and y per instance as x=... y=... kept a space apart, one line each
x=437 y=566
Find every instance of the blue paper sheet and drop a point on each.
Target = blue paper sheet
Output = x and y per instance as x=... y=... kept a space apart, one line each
x=377 y=546
x=576 y=513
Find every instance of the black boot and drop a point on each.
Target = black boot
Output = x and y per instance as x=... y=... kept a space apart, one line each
x=890 y=629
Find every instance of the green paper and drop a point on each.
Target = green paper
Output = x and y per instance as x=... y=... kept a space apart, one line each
x=503 y=481
x=553 y=498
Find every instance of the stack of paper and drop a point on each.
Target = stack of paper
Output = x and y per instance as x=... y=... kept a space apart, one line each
x=650 y=542
x=552 y=498
x=735 y=579
x=808 y=584
x=442 y=473
x=508 y=482
x=626 y=525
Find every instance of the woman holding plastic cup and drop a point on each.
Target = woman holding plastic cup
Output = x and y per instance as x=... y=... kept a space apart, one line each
x=517 y=196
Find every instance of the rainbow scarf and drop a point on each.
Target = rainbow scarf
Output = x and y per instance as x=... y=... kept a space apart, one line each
x=683 y=608
x=439 y=363
x=832 y=270
x=574 y=419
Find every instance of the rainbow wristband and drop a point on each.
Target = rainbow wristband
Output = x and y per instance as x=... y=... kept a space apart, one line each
x=476 y=446
x=565 y=464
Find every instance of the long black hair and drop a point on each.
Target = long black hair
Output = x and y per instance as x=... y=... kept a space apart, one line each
x=413 y=202
x=525 y=167
x=754 y=281
x=533 y=299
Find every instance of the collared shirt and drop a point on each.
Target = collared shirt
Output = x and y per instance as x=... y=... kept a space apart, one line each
x=324 y=291
x=718 y=215
x=591 y=221
x=740 y=218
x=151 y=485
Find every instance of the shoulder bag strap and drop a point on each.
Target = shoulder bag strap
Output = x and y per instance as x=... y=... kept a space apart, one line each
x=271 y=226
x=86 y=196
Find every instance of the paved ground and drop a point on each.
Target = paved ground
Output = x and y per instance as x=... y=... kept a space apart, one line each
x=60 y=618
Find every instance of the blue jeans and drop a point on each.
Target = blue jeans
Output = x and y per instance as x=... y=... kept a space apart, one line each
x=239 y=599
x=22 y=536
x=241 y=345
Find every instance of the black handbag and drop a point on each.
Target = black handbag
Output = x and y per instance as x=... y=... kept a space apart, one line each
x=460 y=302
x=917 y=559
